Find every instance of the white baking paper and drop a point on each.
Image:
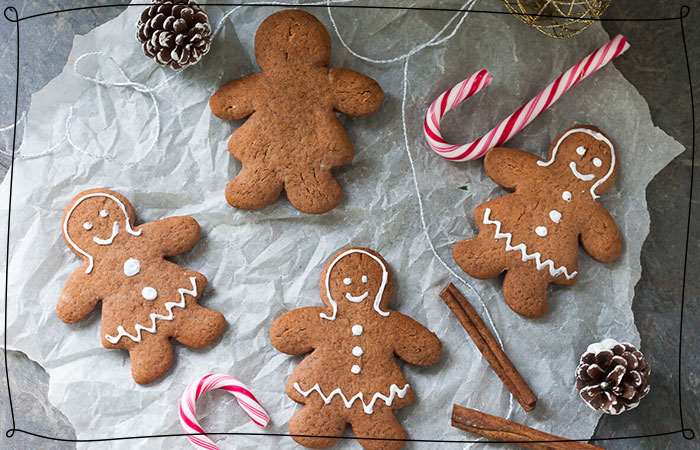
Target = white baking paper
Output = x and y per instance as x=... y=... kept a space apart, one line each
x=80 y=134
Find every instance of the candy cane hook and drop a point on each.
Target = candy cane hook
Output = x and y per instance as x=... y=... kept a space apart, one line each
x=522 y=117
x=210 y=382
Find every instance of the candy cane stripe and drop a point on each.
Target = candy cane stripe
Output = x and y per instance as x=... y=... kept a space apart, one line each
x=209 y=382
x=522 y=116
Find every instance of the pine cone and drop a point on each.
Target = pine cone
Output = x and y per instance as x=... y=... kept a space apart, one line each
x=612 y=377
x=175 y=33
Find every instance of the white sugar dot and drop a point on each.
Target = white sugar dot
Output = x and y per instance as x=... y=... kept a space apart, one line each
x=541 y=231
x=132 y=266
x=581 y=151
x=566 y=195
x=355 y=369
x=364 y=279
x=555 y=216
x=87 y=226
x=597 y=162
x=357 y=351
x=149 y=293
x=104 y=213
x=357 y=330
x=347 y=281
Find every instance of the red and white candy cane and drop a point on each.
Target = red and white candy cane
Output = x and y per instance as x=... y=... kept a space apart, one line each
x=522 y=117
x=210 y=382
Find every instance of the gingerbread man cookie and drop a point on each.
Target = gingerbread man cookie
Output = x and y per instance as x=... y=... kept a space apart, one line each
x=292 y=139
x=350 y=374
x=146 y=299
x=534 y=232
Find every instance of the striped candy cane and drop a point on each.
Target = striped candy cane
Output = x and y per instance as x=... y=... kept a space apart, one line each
x=522 y=117
x=210 y=382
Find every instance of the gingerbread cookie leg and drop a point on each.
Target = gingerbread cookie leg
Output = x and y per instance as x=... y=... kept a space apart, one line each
x=317 y=419
x=526 y=292
x=253 y=188
x=382 y=423
x=480 y=257
x=313 y=191
x=200 y=327
x=150 y=359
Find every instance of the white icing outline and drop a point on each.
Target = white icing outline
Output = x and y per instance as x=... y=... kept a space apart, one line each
x=579 y=175
x=380 y=292
x=121 y=332
x=75 y=205
x=368 y=408
x=522 y=248
x=110 y=239
x=597 y=136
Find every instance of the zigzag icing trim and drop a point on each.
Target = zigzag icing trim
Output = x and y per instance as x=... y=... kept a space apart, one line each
x=548 y=263
x=394 y=391
x=121 y=332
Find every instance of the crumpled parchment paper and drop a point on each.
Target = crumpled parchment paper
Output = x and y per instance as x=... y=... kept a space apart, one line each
x=81 y=134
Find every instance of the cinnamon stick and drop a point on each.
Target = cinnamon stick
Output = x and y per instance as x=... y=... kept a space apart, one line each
x=488 y=346
x=499 y=429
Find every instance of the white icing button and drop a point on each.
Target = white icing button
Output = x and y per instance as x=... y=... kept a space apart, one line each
x=555 y=216
x=357 y=330
x=132 y=266
x=364 y=279
x=541 y=231
x=581 y=151
x=357 y=351
x=347 y=281
x=597 y=162
x=566 y=195
x=149 y=293
x=355 y=369
x=104 y=213
x=87 y=226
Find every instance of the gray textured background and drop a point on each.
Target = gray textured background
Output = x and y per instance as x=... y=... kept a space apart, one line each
x=656 y=68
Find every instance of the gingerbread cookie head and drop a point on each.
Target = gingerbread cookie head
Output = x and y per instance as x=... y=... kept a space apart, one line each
x=292 y=37
x=93 y=220
x=586 y=156
x=356 y=278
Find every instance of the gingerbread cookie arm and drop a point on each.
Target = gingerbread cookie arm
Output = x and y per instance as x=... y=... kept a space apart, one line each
x=293 y=332
x=235 y=100
x=414 y=343
x=77 y=299
x=600 y=236
x=174 y=235
x=509 y=166
x=354 y=94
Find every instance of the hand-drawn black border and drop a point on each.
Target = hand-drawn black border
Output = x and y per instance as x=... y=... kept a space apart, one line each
x=11 y=15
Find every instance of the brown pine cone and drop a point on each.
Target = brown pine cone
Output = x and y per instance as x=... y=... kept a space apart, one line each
x=175 y=33
x=612 y=377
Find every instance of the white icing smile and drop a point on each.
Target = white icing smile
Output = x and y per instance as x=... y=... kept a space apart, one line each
x=108 y=241
x=579 y=175
x=356 y=298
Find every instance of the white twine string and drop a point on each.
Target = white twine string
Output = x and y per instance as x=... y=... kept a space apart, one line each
x=434 y=41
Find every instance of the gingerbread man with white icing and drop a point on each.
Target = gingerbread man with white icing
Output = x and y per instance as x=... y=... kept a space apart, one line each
x=350 y=374
x=533 y=233
x=146 y=299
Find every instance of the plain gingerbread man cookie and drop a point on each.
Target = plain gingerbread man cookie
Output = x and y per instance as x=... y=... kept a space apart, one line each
x=146 y=299
x=533 y=233
x=350 y=374
x=292 y=137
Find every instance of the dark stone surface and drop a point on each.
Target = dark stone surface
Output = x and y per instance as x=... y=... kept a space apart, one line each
x=656 y=67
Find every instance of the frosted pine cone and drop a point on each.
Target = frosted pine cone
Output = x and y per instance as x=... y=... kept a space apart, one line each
x=175 y=33
x=612 y=377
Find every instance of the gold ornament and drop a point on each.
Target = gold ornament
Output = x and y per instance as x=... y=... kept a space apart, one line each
x=573 y=15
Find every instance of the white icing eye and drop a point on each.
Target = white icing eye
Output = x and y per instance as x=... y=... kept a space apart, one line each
x=104 y=213
x=597 y=162
x=347 y=281
x=581 y=150
x=87 y=226
x=364 y=279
